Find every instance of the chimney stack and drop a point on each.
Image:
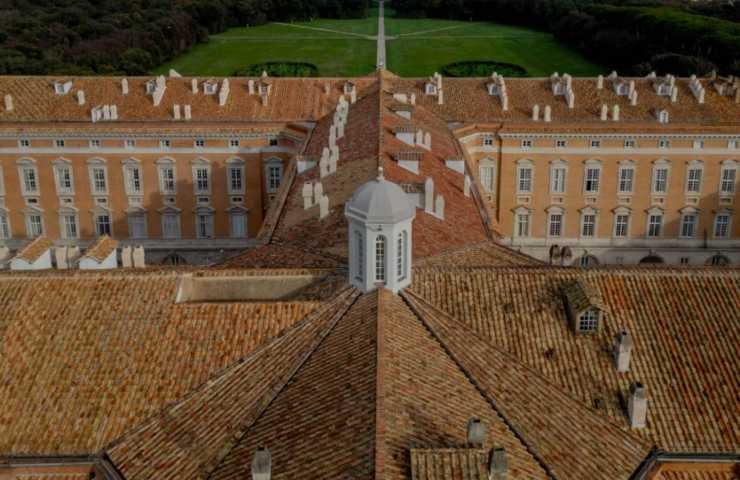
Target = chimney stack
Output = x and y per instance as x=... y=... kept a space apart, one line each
x=188 y=112
x=80 y=97
x=476 y=431
x=536 y=113
x=615 y=113
x=499 y=465
x=262 y=464
x=548 y=113
x=622 y=350
x=176 y=111
x=600 y=82
x=8 y=103
x=323 y=206
x=633 y=98
x=124 y=86
x=637 y=406
x=674 y=94
x=604 y=112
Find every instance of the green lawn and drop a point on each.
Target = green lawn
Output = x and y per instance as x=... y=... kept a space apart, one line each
x=415 y=47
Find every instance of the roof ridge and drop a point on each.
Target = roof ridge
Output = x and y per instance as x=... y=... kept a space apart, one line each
x=560 y=436
x=164 y=430
x=379 y=461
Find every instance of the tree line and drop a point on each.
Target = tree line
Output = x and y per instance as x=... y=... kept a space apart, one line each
x=634 y=38
x=86 y=37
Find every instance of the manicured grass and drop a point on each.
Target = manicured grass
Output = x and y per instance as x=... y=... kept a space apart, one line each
x=419 y=47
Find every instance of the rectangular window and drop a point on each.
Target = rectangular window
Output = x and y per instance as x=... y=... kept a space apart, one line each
x=102 y=224
x=238 y=225
x=133 y=180
x=629 y=143
x=69 y=226
x=698 y=143
x=30 y=181
x=693 y=180
x=727 y=183
x=137 y=226
x=626 y=179
x=722 y=226
x=64 y=180
x=171 y=226
x=557 y=180
x=664 y=143
x=561 y=143
x=486 y=178
x=655 y=224
x=274 y=176
x=595 y=143
x=380 y=259
x=688 y=225
x=204 y=225
x=522 y=225
x=684 y=260
x=556 y=224
x=733 y=144
x=4 y=227
x=129 y=144
x=59 y=143
x=660 y=182
x=167 y=179
x=236 y=184
x=592 y=180
x=488 y=141
x=525 y=180
x=589 y=225
x=100 y=185
x=526 y=144
x=200 y=143
x=273 y=142
x=24 y=143
x=94 y=143
x=35 y=226
x=165 y=144
x=588 y=321
x=201 y=179
x=621 y=225
x=234 y=143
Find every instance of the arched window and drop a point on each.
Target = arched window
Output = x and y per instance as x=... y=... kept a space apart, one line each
x=719 y=260
x=360 y=243
x=401 y=256
x=174 y=259
x=651 y=259
x=380 y=258
x=588 y=261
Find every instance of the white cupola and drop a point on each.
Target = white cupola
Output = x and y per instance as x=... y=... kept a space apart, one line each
x=380 y=215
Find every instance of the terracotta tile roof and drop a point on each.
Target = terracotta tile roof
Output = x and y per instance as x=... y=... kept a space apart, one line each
x=276 y=255
x=580 y=295
x=565 y=436
x=427 y=400
x=190 y=438
x=290 y=99
x=102 y=247
x=52 y=476
x=467 y=100
x=484 y=254
x=99 y=353
x=449 y=464
x=667 y=475
x=683 y=323
x=322 y=424
x=33 y=250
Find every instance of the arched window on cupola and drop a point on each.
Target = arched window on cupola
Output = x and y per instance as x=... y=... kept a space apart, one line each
x=401 y=246
x=380 y=248
x=360 y=258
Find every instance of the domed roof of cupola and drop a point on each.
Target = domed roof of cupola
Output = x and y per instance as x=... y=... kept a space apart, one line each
x=380 y=201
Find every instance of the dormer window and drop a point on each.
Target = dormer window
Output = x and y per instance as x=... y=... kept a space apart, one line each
x=151 y=86
x=493 y=89
x=430 y=89
x=588 y=321
x=663 y=116
x=62 y=88
x=264 y=88
x=664 y=89
x=209 y=88
x=584 y=305
x=349 y=87
x=623 y=89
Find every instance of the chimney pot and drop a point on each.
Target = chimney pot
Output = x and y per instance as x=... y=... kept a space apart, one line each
x=476 y=431
x=622 y=350
x=548 y=113
x=536 y=113
x=124 y=86
x=499 y=464
x=262 y=464
x=615 y=113
x=600 y=82
x=637 y=405
x=8 y=102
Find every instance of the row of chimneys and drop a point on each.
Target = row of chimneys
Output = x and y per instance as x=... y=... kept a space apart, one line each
x=497 y=87
x=313 y=195
x=637 y=402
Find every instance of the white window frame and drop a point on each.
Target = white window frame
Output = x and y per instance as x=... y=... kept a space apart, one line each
x=630 y=143
x=381 y=254
x=135 y=216
x=28 y=165
x=92 y=166
x=561 y=143
x=627 y=215
x=726 y=188
x=270 y=164
x=624 y=167
x=165 y=144
x=698 y=144
x=728 y=224
x=233 y=215
x=197 y=167
x=522 y=218
x=585 y=213
x=591 y=186
x=174 y=216
x=209 y=232
x=551 y=213
x=59 y=143
x=235 y=165
x=430 y=89
x=98 y=214
x=24 y=143
x=487 y=140
x=95 y=143
x=199 y=143
x=487 y=179
x=588 y=320
x=658 y=166
x=63 y=216
x=655 y=212
x=234 y=143
x=30 y=226
x=558 y=182
x=524 y=164
x=162 y=165
x=694 y=166
x=595 y=143
x=59 y=165
x=2 y=182
x=129 y=144
x=6 y=233
x=527 y=144
x=133 y=173
x=686 y=214
x=664 y=143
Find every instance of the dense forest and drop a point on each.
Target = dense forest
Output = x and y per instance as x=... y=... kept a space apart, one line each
x=635 y=38
x=132 y=36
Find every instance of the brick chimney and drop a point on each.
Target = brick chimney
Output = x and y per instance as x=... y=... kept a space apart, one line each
x=262 y=464
x=622 y=350
x=476 y=434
